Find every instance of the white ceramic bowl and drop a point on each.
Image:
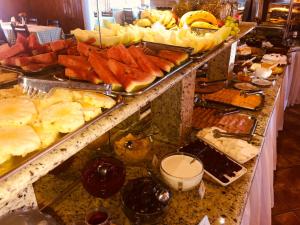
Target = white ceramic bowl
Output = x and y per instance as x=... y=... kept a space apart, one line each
x=181 y=171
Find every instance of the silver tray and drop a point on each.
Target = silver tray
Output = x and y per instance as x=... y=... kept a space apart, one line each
x=152 y=46
x=15 y=164
x=9 y=82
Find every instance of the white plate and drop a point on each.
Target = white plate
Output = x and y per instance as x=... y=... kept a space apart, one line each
x=245 y=86
x=261 y=82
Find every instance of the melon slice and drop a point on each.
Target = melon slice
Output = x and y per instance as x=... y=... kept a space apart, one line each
x=131 y=78
x=163 y=64
x=85 y=49
x=175 y=57
x=141 y=59
x=33 y=43
x=75 y=62
x=101 y=68
x=83 y=75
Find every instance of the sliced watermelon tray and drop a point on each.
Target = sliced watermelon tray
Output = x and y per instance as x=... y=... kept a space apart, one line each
x=131 y=71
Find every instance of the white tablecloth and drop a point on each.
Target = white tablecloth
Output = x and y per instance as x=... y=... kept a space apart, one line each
x=44 y=34
x=294 y=71
x=261 y=196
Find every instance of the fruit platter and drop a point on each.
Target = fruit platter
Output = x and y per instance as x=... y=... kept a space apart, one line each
x=28 y=56
x=154 y=27
x=32 y=126
x=130 y=71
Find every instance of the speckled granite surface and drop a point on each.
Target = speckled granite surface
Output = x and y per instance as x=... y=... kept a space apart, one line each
x=10 y=187
x=186 y=208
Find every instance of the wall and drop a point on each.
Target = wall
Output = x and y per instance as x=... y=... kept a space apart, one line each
x=68 y=12
x=9 y=8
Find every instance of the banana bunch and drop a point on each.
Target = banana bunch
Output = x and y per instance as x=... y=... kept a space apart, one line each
x=152 y=16
x=199 y=19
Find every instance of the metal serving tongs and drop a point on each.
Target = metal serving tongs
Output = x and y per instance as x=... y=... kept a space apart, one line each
x=219 y=134
x=247 y=93
x=35 y=86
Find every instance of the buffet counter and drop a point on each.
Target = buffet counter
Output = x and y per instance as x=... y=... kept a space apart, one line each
x=246 y=201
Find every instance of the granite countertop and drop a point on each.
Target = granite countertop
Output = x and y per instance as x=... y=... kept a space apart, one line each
x=219 y=203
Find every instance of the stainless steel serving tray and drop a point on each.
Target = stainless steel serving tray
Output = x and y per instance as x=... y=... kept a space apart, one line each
x=16 y=164
x=9 y=82
x=253 y=118
x=152 y=46
x=225 y=160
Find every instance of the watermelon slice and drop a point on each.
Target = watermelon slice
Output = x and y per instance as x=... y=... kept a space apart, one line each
x=33 y=43
x=85 y=49
x=132 y=79
x=35 y=67
x=75 y=62
x=73 y=51
x=21 y=39
x=163 y=64
x=141 y=59
x=122 y=54
x=59 y=45
x=16 y=61
x=47 y=58
x=175 y=57
x=83 y=75
x=101 y=68
x=12 y=51
x=4 y=48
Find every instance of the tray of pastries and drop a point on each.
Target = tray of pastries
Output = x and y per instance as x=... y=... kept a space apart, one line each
x=217 y=165
x=232 y=123
x=31 y=126
x=234 y=97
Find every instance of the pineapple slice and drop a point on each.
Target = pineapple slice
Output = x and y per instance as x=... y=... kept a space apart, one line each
x=18 y=141
x=17 y=111
x=65 y=117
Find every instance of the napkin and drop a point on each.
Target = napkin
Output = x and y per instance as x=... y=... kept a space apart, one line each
x=204 y=221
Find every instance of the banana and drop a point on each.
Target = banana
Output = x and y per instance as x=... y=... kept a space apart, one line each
x=204 y=25
x=143 y=22
x=193 y=16
x=168 y=17
x=171 y=24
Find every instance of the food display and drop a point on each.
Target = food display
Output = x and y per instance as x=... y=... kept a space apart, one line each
x=216 y=165
x=180 y=171
x=237 y=149
x=113 y=34
x=234 y=97
x=29 y=55
x=132 y=148
x=30 y=124
x=232 y=123
x=128 y=69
